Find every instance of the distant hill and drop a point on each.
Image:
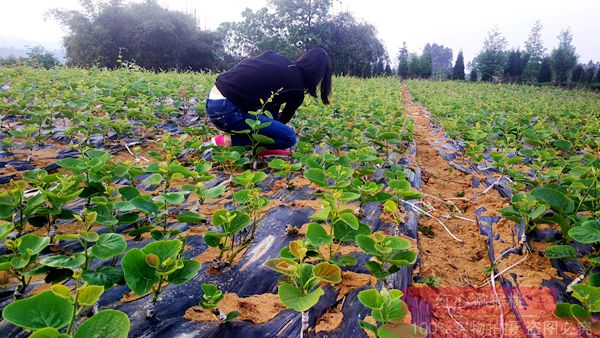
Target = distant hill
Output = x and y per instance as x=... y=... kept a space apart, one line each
x=19 y=47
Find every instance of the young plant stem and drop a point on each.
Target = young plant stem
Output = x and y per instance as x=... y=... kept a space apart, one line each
x=304 y=327
x=75 y=312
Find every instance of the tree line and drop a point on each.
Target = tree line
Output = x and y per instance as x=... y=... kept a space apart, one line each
x=496 y=63
x=109 y=33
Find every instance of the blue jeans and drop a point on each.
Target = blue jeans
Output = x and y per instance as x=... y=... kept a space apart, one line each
x=228 y=117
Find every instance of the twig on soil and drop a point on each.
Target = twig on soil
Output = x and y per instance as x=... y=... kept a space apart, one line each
x=459 y=217
x=509 y=267
x=575 y=282
x=462 y=328
x=493 y=282
x=137 y=158
x=435 y=218
x=491 y=186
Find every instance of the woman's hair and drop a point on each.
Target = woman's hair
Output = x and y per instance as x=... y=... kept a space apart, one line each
x=315 y=66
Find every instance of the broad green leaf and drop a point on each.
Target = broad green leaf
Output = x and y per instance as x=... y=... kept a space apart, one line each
x=106 y=276
x=129 y=193
x=62 y=261
x=371 y=299
x=164 y=249
x=589 y=295
x=405 y=258
x=145 y=206
x=48 y=332
x=316 y=176
x=213 y=239
x=190 y=217
x=186 y=273
x=349 y=219
x=105 y=324
x=557 y=200
x=89 y=294
x=321 y=215
x=367 y=244
x=6 y=229
x=401 y=330
x=33 y=243
x=327 y=272
x=560 y=251
x=317 y=235
x=138 y=275
x=109 y=245
x=154 y=179
x=40 y=311
x=293 y=298
x=585 y=234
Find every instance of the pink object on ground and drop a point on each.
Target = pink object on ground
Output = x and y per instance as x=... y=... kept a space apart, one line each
x=219 y=140
x=275 y=152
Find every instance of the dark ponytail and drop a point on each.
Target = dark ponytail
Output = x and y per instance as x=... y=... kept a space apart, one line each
x=315 y=66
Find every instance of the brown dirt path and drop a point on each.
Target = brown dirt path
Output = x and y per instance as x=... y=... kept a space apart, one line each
x=461 y=266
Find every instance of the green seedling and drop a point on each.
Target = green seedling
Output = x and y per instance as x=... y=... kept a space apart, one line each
x=285 y=169
x=299 y=287
x=154 y=267
x=210 y=301
x=21 y=261
x=230 y=238
x=389 y=253
x=49 y=312
x=430 y=280
x=388 y=310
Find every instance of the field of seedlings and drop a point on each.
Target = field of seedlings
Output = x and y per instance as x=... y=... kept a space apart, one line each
x=408 y=209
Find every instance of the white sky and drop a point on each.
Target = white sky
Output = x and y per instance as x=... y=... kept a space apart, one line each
x=456 y=24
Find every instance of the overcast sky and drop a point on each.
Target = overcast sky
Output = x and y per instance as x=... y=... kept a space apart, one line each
x=458 y=24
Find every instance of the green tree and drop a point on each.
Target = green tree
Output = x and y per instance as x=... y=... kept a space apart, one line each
x=534 y=47
x=302 y=20
x=516 y=64
x=389 y=72
x=426 y=64
x=403 y=61
x=473 y=75
x=441 y=59
x=144 y=33
x=545 y=74
x=353 y=46
x=39 y=57
x=459 y=67
x=578 y=73
x=492 y=58
x=564 y=57
x=414 y=65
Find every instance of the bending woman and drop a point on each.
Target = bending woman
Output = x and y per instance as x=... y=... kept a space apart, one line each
x=241 y=89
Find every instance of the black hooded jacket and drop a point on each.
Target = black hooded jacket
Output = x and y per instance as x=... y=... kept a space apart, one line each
x=256 y=78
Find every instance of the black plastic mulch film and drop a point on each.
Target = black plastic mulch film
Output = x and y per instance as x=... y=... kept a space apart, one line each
x=248 y=277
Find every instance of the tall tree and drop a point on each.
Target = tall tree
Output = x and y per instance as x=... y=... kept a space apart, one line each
x=426 y=64
x=492 y=58
x=441 y=59
x=578 y=72
x=303 y=20
x=534 y=47
x=516 y=64
x=473 y=75
x=388 y=70
x=403 y=61
x=353 y=46
x=459 y=67
x=154 y=37
x=414 y=65
x=545 y=74
x=564 y=57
